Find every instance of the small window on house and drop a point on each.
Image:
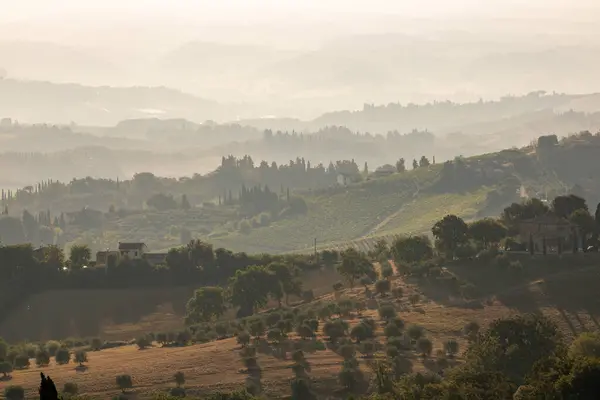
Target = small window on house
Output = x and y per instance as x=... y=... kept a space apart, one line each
x=135 y=254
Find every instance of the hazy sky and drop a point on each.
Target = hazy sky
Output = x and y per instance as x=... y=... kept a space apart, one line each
x=227 y=9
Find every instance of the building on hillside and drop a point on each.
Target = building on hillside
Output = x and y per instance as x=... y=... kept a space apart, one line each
x=344 y=179
x=154 y=259
x=132 y=250
x=384 y=170
x=548 y=228
x=102 y=257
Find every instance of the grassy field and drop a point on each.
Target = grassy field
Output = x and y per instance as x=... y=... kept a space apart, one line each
x=563 y=289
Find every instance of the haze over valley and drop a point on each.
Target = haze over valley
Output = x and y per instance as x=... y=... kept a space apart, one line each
x=299 y=199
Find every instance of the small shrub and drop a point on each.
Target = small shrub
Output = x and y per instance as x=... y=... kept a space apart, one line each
x=398 y=322
x=451 y=347
x=177 y=392
x=62 y=356
x=361 y=332
x=257 y=327
x=80 y=357
x=71 y=388
x=337 y=286
x=424 y=346
x=586 y=345
x=335 y=329
x=414 y=332
x=143 y=342
x=5 y=368
x=305 y=331
x=314 y=324
x=397 y=292
x=399 y=342
x=392 y=352
x=52 y=347
x=365 y=281
x=368 y=347
x=124 y=382
x=21 y=361
x=471 y=329
x=179 y=378
x=370 y=322
x=243 y=338
x=382 y=286
x=347 y=351
x=387 y=271
x=42 y=358
x=387 y=311
x=14 y=393
x=96 y=344
x=275 y=335
x=391 y=330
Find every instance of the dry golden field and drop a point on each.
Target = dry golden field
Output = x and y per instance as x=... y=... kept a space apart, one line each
x=567 y=296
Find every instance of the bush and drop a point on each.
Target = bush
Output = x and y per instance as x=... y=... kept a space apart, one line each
x=451 y=347
x=335 y=329
x=71 y=388
x=424 y=346
x=80 y=357
x=177 y=392
x=347 y=351
x=586 y=345
x=96 y=344
x=162 y=338
x=398 y=322
x=350 y=377
x=305 y=331
x=397 y=292
x=221 y=329
x=52 y=347
x=257 y=327
x=179 y=378
x=124 y=382
x=392 y=352
x=143 y=342
x=361 y=332
x=387 y=271
x=275 y=335
x=314 y=324
x=301 y=390
x=383 y=286
x=414 y=332
x=370 y=322
x=399 y=342
x=391 y=330
x=21 y=361
x=14 y=393
x=387 y=311
x=368 y=347
x=42 y=358
x=365 y=281
x=243 y=338
x=62 y=356
x=337 y=286
x=471 y=329
x=5 y=368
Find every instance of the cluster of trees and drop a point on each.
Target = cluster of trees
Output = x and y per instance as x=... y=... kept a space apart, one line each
x=25 y=270
x=456 y=238
x=18 y=356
